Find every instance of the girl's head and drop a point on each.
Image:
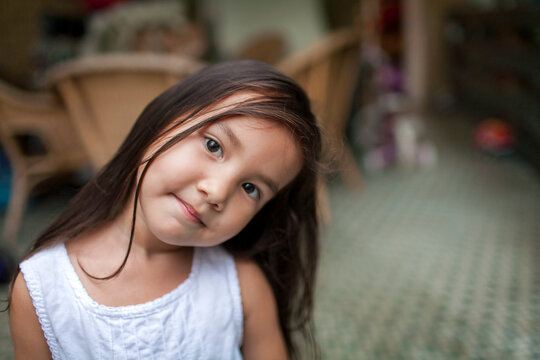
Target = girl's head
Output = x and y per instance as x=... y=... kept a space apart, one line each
x=206 y=188
x=259 y=106
x=252 y=97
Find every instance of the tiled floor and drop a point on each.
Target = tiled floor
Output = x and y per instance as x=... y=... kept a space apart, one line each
x=442 y=263
x=436 y=264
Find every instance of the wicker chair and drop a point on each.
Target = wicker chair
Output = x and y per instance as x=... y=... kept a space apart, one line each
x=328 y=71
x=105 y=94
x=268 y=47
x=43 y=116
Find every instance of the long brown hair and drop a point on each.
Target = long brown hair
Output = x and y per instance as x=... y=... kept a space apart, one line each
x=282 y=237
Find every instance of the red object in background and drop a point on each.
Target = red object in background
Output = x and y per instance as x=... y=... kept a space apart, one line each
x=390 y=16
x=93 y=5
x=494 y=136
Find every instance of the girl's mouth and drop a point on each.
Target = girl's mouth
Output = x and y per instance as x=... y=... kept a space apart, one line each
x=190 y=212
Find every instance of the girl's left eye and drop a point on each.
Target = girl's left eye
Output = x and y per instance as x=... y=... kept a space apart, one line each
x=214 y=147
x=251 y=190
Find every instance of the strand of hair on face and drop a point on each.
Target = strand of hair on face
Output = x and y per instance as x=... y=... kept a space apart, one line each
x=131 y=233
x=136 y=197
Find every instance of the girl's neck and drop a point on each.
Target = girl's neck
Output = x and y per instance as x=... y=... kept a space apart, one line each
x=100 y=254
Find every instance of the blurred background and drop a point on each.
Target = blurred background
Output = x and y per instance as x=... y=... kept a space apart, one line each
x=431 y=244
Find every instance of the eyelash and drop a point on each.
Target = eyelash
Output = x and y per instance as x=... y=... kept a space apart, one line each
x=255 y=188
x=207 y=144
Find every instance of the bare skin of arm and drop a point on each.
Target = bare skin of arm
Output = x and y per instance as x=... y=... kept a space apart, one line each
x=28 y=339
x=263 y=338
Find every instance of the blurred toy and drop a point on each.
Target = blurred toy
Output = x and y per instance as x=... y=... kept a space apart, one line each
x=412 y=149
x=405 y=147
x=393 y=135
x=494 y=136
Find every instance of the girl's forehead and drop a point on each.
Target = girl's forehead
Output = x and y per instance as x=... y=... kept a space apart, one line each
x=221 y=106
x=182 y=123
x=243 y=123
x=230 y=102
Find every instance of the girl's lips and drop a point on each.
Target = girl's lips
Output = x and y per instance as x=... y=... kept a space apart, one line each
x=190 y=212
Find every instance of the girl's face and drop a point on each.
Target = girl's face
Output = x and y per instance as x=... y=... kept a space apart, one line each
x=205 y=189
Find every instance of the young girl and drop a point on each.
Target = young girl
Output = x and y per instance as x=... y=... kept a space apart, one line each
x=198 y=240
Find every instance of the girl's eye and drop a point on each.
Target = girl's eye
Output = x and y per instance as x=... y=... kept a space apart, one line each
x=214 y=147
x=251 y=190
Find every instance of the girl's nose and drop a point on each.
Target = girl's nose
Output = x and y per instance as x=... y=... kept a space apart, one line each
x=215 y=190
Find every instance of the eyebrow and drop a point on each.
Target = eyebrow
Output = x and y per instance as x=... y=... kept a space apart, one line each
x=230 y=134
x=269 y=182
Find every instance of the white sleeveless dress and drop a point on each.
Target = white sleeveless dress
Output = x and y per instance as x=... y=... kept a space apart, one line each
x=200 y=319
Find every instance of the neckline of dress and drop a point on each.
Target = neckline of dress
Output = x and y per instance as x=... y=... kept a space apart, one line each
x=141 y=309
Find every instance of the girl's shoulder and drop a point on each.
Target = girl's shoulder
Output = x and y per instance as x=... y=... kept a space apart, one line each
x=42 y=269
x=48 y=255
x=263 y=338
x=254 y=286
x=28 y=339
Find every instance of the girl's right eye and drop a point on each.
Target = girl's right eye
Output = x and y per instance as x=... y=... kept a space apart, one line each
x=251 y=190
x=213 y=147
